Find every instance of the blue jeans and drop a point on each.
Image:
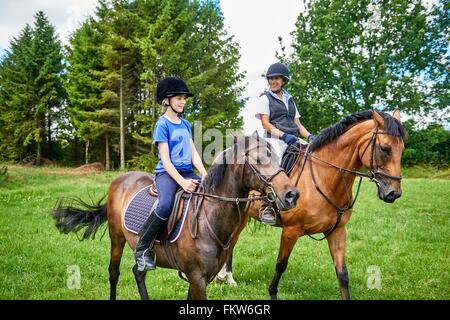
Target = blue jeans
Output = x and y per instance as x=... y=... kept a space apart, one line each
x=167 y=187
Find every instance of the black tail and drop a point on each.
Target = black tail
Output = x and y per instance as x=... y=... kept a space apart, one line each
x=79 y=215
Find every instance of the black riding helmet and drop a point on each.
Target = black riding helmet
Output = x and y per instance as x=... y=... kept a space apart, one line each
x=278 y=70
x=169 y=87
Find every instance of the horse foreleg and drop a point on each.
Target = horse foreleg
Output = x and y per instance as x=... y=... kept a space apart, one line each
x=289 y=238
x=139 y=276
x=197 y=287
x=117 y=245
x=337 y=244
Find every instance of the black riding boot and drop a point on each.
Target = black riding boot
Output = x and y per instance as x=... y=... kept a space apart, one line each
x=267 y=214
x=143 y=251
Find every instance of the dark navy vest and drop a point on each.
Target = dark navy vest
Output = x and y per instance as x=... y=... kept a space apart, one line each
x=280 y=117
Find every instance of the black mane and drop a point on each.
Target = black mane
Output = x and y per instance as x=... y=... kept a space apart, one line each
x=217 y=170
x=392 y=126
x=215 y=174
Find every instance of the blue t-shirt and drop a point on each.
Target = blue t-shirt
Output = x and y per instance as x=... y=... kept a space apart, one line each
x=178 y=137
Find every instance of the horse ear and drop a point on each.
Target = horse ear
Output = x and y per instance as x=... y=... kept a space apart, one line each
x=396 y=115
x=378 y=119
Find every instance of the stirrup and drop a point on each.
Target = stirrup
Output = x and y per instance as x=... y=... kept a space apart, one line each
x=263 y=213
x=146 y=262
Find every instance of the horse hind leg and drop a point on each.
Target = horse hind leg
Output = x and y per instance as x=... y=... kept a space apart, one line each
x=337 y=245
x=225 y=274
x=117 y=246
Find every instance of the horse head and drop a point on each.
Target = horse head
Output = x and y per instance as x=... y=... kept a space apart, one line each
x=381 y=151
x=259 y=169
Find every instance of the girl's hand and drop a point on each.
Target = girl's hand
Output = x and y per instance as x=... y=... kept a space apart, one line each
x=204 y=176
x=189 y=185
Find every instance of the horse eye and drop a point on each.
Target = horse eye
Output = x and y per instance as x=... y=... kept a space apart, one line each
x=386 y=149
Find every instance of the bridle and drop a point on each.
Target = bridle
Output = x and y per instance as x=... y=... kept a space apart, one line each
x=267 y=180
x=373 y=172
x=373 y=165
x=270 y=196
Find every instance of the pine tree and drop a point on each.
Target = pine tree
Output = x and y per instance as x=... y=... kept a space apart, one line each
x=143 y=41
x=48 y=84
x=84 y=86
x=31 y=91
x=16 y=96
x=123 y=63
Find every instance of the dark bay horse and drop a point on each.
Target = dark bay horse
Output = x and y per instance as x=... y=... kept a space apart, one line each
x=202 y=247
x=325 y=175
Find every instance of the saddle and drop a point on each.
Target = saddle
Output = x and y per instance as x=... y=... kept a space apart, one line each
x=177 y=211
x=291 y=156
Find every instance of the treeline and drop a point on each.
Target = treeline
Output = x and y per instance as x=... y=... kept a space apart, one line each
x=95 y=100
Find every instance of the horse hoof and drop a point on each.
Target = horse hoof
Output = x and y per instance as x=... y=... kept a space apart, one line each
x=226 y=277
x=231 y=281
x=273 y=297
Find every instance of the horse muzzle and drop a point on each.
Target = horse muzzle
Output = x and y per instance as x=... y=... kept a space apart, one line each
x=389 y=195
x=288 y=200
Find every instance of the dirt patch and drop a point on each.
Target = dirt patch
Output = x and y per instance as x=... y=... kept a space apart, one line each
x=95 y=167
x=31 y=161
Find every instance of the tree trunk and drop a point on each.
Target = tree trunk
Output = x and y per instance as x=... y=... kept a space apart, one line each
x=153 y=111
x=86 y=152
x=39 y=143
x=122 y=129
x=107 y=162
x=38 y=153
x=49 y=152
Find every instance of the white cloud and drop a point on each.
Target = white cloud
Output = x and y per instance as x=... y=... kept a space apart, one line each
x=63 y=14
x=256 y=25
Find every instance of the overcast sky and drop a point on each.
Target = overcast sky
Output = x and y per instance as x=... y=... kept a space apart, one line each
x=256 y=25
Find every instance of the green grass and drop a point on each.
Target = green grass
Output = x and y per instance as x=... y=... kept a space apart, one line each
x=408 y=241
x=431 y=172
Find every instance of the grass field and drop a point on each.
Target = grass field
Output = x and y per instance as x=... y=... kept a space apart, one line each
x=407 y=242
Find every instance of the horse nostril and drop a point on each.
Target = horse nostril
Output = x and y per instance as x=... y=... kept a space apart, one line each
x=392 y=195
x=292 y=196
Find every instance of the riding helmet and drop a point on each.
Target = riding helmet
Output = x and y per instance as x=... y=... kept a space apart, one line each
x=171 y=86
x=278 y=69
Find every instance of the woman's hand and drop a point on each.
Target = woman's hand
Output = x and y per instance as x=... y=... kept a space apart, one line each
x=189 y=185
